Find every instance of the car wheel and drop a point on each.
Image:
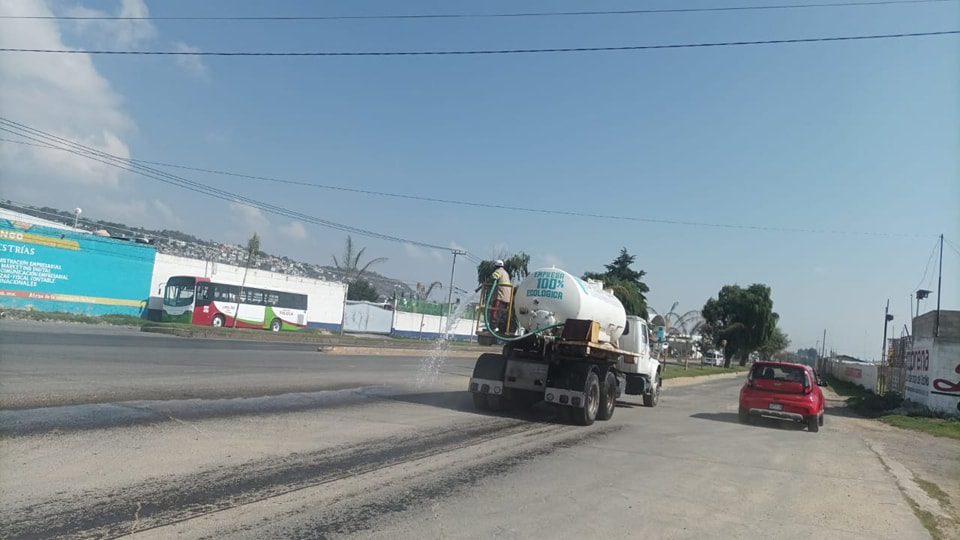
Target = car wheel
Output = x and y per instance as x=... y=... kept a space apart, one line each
x=276 y=325
x=217 y=321
x=820 y=419
x=813 y=424
x=743 y=415
x=608 y=397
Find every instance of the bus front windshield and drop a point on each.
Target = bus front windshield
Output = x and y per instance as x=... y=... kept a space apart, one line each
x=179 y=292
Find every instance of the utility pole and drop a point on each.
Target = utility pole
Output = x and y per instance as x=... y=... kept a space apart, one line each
x=936 y=325
x=823 y=350
x=887 y=317
x=450 y=292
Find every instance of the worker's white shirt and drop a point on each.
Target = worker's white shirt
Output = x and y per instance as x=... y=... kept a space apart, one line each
x=503 y=278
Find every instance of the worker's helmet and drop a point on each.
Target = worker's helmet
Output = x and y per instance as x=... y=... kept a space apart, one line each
x=498 y=263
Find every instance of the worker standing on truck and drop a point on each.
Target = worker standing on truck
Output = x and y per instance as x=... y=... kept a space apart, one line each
x=501 y=302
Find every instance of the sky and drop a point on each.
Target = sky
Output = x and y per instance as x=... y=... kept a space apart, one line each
x=857 y=137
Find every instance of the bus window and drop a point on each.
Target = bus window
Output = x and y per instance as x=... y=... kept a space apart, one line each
x=179 y=292
x=204 y=294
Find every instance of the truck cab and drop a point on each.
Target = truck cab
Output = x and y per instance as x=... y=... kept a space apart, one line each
x=643 y=371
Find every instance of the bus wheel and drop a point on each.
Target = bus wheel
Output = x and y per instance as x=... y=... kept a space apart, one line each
x=275 y=325
x=217 y=321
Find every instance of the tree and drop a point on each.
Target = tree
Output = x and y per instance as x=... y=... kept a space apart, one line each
x=253 y=249
x=516 y=265
x=349 y=264
x=423 y=291
x=740 y=319
x=808 y=355
x=625 y=282
x=350 y=261
x=777 y=342
x=361 y=290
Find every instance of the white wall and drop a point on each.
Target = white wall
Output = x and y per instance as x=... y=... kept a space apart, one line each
x=413 y=325
x=367 y=318
x=326 y=298
x=933 y=374
x=859 y=373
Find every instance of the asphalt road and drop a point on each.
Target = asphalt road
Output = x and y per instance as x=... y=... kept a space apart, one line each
x=108 y=433
x=44 y=365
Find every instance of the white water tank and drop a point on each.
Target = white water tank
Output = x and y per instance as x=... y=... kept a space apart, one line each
x=550 y=296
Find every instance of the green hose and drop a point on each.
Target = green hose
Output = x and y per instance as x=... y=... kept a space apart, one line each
x=486 y=321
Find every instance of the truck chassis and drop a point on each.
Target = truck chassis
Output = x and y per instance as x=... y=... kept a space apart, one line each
x=579 y=377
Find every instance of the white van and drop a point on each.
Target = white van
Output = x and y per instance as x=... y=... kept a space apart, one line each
x=713 y=358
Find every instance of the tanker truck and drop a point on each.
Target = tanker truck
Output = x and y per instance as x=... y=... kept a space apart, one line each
x=574 y=348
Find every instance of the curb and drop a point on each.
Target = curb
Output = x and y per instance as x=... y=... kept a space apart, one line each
x=327 y=345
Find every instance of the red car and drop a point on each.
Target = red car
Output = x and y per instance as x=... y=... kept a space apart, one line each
x=783 y=391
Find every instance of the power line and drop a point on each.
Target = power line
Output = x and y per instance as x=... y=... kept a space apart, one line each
x=468 y=15
x=927 y=267
x=494 y=206
x=477 y=52
x=953 y=246
x=42 y=137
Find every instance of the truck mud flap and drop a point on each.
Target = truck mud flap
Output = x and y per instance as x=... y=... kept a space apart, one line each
x=636 y=385
x=488 y=374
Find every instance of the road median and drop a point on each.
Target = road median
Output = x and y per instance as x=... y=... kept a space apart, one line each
x=325 y=342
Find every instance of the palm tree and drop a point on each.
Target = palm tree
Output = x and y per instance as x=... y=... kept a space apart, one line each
x=350 y=262
x=423 y=292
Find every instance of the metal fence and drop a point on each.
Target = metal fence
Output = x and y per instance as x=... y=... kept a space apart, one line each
x=893 y=373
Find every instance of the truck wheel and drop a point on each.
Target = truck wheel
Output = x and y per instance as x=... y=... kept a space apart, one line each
x=744 y=416
x=653 y=397
x=813 y=424
x=498 y=403
x=608 y=397
x=591 y=395
x=820 y=419
x=480 y=401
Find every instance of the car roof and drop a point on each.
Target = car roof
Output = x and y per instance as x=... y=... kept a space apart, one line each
x=791 y=364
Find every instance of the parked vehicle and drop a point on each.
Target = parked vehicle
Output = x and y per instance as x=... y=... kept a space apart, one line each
x=713 y=358
x=783 y=391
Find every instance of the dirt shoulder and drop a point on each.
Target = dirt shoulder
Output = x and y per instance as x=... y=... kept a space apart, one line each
x=926 y=467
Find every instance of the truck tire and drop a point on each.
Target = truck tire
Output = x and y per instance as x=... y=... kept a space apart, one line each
x=608 y=397
x=480 y=401
x=498 y=403
x=586 y=415
x=743 y=415
x=490 y=366
x=650 y=399
x=820 y=420
x=813 y=424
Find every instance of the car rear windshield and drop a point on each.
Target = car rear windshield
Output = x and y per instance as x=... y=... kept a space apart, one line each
x=772 y=372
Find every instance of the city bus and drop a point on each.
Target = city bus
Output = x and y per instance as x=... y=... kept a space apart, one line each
x=198 y=300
